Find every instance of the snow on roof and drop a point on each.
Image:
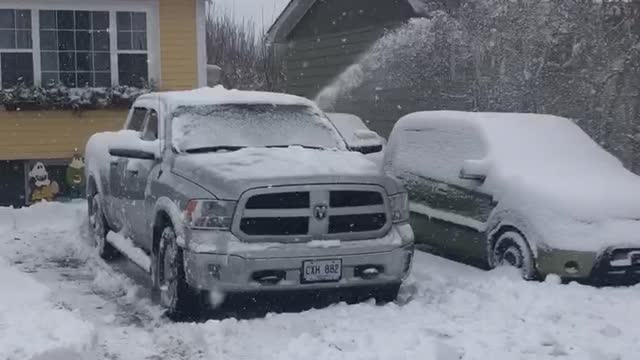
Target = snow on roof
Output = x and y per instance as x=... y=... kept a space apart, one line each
x=530 y=158
x=220 y=96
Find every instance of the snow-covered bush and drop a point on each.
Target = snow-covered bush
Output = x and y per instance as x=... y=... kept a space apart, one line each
x=58 y=96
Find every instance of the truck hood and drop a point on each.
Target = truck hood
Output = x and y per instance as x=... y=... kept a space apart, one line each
x=227 y=175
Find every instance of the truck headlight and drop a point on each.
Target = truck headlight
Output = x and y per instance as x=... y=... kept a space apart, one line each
x=209 y=214
x=399 y=207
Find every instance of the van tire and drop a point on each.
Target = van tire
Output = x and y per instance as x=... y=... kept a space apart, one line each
x=512 y=249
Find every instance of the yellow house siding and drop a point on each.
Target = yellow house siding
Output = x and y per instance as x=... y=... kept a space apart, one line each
x=52 y=134
x=178 y=44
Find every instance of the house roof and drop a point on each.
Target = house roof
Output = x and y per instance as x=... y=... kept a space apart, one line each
x=288 y=19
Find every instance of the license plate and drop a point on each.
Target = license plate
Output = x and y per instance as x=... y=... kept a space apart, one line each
x=321 y=270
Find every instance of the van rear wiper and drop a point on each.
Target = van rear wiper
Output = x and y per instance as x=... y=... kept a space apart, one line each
x=208 y=149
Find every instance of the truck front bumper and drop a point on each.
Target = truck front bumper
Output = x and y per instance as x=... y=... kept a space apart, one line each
x=278 y=267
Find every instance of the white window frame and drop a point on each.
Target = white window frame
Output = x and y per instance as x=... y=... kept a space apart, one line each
x=25 y=51
x=150 y=7
x=113 y=18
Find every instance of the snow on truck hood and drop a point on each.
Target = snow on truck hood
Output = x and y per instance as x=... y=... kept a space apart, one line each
x=545 y=161
x=235 y=172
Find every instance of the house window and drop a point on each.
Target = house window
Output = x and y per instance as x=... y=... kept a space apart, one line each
x=16 y=57
x=75 y=48
x=133 y=67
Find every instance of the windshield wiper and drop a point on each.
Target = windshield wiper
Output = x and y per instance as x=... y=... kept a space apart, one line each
x=209 y=149
x=294 y=145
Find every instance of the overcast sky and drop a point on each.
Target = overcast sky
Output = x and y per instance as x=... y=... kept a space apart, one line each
x=256 y=10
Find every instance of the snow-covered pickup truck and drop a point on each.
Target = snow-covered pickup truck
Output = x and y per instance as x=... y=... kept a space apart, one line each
x=232 y=191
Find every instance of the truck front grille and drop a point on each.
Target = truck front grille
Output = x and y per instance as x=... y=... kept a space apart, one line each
x=275 y=226
x=356 y=223
x=355 y=198
x=286 y=200
x=312 y=212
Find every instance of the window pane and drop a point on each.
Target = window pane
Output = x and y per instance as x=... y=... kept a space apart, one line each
x=50 y=78
x=49 y=61
x=16 y=67
x=47 y=19
x=133 y=69
x=83 y=20
x=137 y=119
x=101 y=41
x=123 y=20
x=65 y=40
x=151 y=130
x=7 y=39
x=65 y=19
x=83 y=40
x=67 y=61
x=48 y=40
x=100 y=20
x=124 y=40
x=84 y=61
x=139 y=40
x=23 y=19
x=84 y=79
x=68 y=79
x=139 y=21
x=102 y=61
x=24 y=39
x=7 y=19
x=102 y=79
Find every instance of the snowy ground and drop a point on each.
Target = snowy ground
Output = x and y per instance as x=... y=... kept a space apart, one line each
x=61 y=302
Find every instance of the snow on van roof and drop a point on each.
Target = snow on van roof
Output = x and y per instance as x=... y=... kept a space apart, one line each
x=523 y=143
x=527 y=158
x=220 y=96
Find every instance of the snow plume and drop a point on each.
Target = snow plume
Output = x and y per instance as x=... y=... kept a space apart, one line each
x=393 y=56
x=421 y=7
x=348 y=80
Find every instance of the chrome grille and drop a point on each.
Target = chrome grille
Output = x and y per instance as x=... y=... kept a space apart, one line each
x=312 y=212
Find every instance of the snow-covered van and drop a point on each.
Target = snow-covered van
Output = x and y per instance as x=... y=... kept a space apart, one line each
x=533 y=191
x=233 y=191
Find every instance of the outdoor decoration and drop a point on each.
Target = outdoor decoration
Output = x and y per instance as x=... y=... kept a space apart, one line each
x=42 y=188
x=74 y=178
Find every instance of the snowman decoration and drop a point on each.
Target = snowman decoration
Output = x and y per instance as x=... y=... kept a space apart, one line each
x=74 y=177
x=43 y=187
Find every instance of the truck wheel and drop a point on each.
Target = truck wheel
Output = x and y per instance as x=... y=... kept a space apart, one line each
x=175 y=294
x=98 y=229
x=387 y=293
x=512 y=249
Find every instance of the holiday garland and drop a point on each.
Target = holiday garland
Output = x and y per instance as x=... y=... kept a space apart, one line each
x=61 y=97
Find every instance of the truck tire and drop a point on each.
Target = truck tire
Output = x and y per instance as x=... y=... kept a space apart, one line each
x=387 y=293
x=512 y=249
x=176 y=295
x=98 y=229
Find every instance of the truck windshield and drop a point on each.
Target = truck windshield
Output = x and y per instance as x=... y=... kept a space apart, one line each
x=196 y=128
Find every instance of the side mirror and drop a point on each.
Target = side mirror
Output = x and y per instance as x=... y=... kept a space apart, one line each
x=132 y=153
x=475 y=170
x=127 y=144
x=362 y=134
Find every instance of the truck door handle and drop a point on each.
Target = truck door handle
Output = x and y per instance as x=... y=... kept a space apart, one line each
x=133 y=172
x=114 y=164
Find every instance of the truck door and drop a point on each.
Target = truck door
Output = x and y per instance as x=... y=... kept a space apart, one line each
x=139 y=175
x=116 y=208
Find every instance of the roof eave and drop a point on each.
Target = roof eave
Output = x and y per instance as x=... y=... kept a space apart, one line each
x=287 y=20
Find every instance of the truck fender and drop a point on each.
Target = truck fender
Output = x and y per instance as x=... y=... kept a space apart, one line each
x=169 y=207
